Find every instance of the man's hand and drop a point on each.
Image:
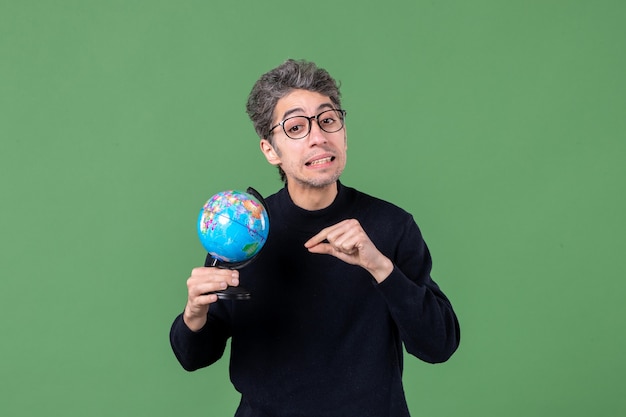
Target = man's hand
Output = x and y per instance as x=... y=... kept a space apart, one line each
x=202 y=282
x=348 y=241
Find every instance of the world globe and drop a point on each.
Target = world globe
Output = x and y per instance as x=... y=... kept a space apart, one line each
x=233 y=226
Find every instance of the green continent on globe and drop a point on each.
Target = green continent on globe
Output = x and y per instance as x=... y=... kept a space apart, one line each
x=250 y=249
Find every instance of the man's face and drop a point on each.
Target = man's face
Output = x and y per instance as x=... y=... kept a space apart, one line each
x=314 y=161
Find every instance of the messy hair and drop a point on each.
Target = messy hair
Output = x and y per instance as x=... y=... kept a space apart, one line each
x=277 y=83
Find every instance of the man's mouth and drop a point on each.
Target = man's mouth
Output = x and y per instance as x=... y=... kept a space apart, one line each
x=320 y=161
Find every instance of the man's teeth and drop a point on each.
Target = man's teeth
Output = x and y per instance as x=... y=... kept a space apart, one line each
x=321 y=161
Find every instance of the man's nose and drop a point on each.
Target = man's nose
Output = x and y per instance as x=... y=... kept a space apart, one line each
x=316 y=134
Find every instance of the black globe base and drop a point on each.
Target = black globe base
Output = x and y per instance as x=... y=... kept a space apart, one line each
x=233 y=293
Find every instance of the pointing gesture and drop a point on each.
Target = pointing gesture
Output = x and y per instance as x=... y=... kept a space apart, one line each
x=348 y=241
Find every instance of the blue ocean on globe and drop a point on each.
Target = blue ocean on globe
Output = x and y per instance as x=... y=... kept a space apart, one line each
x=233 y=226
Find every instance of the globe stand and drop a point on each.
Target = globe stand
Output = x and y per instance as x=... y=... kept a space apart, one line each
x=233 y=293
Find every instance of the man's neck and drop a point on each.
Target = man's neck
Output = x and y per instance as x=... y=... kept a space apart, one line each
x=312 y=198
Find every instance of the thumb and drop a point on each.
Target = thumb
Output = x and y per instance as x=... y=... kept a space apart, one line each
x=323 y=248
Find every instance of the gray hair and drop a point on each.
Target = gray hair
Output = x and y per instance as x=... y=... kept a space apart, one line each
x=277 y=83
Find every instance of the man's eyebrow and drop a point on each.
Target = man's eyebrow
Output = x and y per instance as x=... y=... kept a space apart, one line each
x=301 y=110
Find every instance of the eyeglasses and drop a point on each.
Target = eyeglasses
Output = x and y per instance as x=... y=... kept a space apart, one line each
x=298 y=127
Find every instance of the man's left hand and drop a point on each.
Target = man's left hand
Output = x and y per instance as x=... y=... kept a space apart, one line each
x=348 y=241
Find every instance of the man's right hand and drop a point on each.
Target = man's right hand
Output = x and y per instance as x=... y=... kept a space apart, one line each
x=202 y=282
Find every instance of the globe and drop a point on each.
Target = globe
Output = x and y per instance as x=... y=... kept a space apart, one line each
x=233 y=226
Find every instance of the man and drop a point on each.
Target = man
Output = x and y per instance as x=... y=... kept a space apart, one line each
x=342 y=284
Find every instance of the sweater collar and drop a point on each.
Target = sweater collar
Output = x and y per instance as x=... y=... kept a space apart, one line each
x=286 y=209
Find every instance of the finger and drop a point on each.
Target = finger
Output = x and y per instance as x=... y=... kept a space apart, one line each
x=206 y=272
x=335 y=249
x=201 y=275
x=208 y=288
x=317 y=239
x=330 y=233
x=345 y=240
x=203 y=282
x=205 y=299
x=322 y=248
x=348 y=249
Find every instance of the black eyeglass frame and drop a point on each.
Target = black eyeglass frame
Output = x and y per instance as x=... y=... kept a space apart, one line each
x=342 y=116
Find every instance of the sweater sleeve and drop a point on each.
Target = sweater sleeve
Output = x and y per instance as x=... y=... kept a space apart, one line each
x=195 y=350
x=423 y=314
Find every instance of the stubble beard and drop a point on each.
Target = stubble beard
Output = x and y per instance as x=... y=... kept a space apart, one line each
x=318 y=183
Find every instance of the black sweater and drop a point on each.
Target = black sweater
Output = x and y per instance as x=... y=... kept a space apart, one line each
x=320 y=337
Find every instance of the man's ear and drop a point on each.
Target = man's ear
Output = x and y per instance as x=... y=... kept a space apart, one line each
x=270 y=153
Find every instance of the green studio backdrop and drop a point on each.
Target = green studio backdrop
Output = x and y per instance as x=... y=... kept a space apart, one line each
x=498 y=124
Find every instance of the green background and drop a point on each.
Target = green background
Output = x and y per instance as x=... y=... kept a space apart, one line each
x=499 y=124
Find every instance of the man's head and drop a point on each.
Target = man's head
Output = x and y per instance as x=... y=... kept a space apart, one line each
x=275 y=84
x=280 y=82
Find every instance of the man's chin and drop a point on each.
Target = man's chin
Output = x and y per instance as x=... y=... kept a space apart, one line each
x=317 y=183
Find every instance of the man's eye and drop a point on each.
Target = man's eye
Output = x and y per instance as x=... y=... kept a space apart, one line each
x=296 y=128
